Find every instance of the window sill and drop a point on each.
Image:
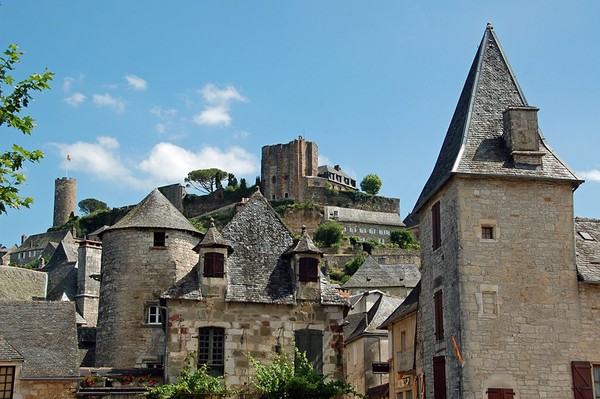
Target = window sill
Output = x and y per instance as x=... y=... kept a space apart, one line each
x=160 y=248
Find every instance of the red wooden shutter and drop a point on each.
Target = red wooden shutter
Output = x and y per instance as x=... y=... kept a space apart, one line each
x=439 y=377
x=500 y=393
x=582 y=380
x=436 y=227
x=439 y=315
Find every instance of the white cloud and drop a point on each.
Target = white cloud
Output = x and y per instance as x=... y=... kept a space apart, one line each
x=241 y=135
x=136 y=83
x=69 y=81
x=168 y=162
x=591 y=175
x=106 y=100
x=75 y=99
x=218 y=105
x=159 y=112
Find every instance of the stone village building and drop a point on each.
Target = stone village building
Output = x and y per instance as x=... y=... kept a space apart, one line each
x=506 y=273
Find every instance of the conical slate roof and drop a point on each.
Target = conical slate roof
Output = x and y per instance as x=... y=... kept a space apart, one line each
x=474 y=143
x=213 y=239
x=304 y=245
x=155 y=211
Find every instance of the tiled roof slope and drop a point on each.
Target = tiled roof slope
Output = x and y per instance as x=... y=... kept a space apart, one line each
x=587 y=243
x=212 y=239
x=154 y=211
x=62 y=272
x=304 y=245
x=410 y=304
x=7 y=352
x=348 y=215
x=373 y=275
x=45 y=334
x=17 y=284
x=369 y=322
x=256 y=270
x=474 y=143
x=40 y=241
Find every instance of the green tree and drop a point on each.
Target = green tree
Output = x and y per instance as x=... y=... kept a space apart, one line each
x=329 y=233
x=91 y=205
x=206 y=180
x=14 y=98
x=232 y=182
x=404 y=239
x=371 y=184
x=352 y=266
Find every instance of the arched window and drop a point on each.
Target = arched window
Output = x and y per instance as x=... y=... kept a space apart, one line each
x=308 y=269
x=214 y=264
x=211 y=350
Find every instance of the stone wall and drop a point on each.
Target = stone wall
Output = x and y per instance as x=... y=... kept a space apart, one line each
x=89 y=257
x=45 y=389
x=351 y=199
x=65 y=200
x=252 y=329
x=134 y=275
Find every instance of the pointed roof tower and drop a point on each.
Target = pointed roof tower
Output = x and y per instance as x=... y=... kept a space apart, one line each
x=476 y=142
x=304 y=245
x=154 y=211
x=213 y=239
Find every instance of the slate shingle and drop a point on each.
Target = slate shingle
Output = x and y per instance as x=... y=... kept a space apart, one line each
x=588 y=250
x=21 y=284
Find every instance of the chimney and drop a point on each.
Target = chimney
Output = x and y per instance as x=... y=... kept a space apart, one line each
x=337 y=167
x=23 y=238
x=521 y=136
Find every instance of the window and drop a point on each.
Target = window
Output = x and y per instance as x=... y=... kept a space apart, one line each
x=273 y=179
x=7 y=380
x=160 y=239
x=214 y=264
x=487 y=232
x=308 y=269
x=380 y=367
x=439 y=377
x=436 y=227
x=583 y=386
x=500 y=393
x=597 y=381
x=286 y=195
x=153 y=315
x=403 y=340
x=211 y=350
x=439 y=315
x=586 y=236
x=310 y=342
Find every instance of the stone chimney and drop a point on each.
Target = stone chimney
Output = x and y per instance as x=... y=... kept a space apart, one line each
x=521 y=135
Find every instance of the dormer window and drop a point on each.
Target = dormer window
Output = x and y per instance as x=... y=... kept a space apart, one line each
x=308 y=269
x=214 y=264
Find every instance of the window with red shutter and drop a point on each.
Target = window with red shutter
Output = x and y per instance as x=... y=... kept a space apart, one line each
x=439 y=315
x=439 y=377
x=500 y=393
x=582 y=380
x=436 y=226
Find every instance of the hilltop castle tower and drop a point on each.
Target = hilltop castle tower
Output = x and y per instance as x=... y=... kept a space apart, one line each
x=283 y=167
x=65 y=200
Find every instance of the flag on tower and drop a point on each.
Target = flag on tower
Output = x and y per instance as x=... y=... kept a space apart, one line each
x=460 y=358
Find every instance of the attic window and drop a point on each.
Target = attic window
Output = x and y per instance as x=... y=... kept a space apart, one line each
x=7 y=378
x=160 y=239
x=308 y=269
x=214 y=264
x=586 y=236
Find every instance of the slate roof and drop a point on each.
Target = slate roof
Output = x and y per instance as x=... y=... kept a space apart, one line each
x=409 y=305
x=373 y=275
x=304 y=245
x=40 y=241
x=587 y=244
x=212 y=239
x=7 y=352
x=45 y=334
x=358 y=324
x=17 y=284
x=258 y=269
x=348 y=215
x=331 y=169
x=62 y=272
x=154 y=211
x=474 y=144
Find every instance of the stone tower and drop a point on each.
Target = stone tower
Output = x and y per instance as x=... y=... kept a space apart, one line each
x=497 y=247
x=65 y=200
x=89 y=256
x=143 y=254
x=284 y=166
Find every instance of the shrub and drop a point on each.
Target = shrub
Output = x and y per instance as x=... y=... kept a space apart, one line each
x=353 y=265
x=404 y=239
x=328 y=234
x=371 y=184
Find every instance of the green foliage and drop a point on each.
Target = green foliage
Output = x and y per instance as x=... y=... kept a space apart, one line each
x=328 y=234
x=243 y=184
x=206 y=180
x=14 y=98
x=232 y=182
x=91 y=205
x=352 y=266
x=284 y=380
x=371 y=184
x=404 y=239
x=189 y=382
x=287 y=205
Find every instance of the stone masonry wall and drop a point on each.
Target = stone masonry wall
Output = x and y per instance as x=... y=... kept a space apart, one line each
x=134 y=275
x=65 y=200
x=252 y=329
x=45 y=389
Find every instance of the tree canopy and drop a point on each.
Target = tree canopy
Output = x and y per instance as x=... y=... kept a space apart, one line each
x=91 y=205
x=206 y=180
x=14 y=98
x=371 y=184
x=329 y=233
x=404 y=239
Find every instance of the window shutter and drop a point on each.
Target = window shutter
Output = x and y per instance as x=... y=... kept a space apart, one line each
x=214 y=264
x=582 y=380
x=439 y=377
x=311 y=342
x=439 y=315
x=500 y=393
x=436 y=226
x=308 y=269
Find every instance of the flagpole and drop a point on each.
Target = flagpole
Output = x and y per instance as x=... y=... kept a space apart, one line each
x=67 y=166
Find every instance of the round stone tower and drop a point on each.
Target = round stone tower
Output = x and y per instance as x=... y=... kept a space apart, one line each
x=65 y=200
x=143 y=254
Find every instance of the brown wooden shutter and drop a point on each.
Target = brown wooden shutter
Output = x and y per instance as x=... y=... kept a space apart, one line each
x=582 y=380
x=439 y=315
x=500 y=393
x=439 y=377
x=436 y=227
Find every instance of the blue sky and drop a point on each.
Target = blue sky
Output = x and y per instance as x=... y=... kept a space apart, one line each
x=144 y=92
